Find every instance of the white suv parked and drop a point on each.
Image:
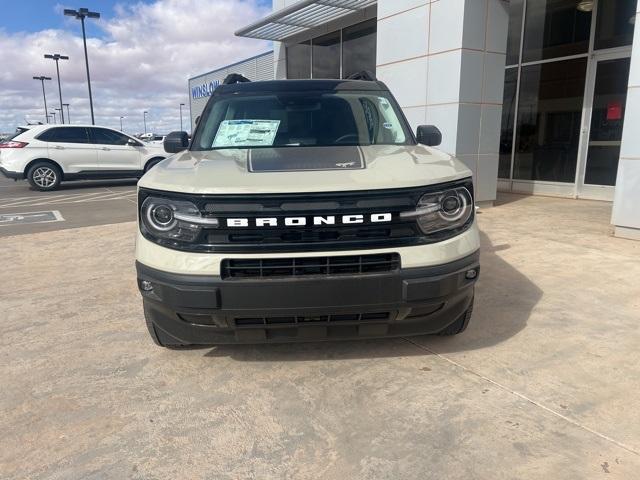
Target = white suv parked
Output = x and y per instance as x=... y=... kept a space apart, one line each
x=45 y=155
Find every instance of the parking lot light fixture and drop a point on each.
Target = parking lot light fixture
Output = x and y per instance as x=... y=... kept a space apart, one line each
x=61 y=114
x=68 y=114
x=81 y=14
x=144 y=119
x=53 y=114
x=56 y=57
x=42 y=78
x=181 y=105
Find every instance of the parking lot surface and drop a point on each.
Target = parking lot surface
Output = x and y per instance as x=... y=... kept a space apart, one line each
x=76 y=204
x=543 y=384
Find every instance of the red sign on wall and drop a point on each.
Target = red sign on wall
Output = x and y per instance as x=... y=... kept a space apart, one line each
x=614 y=110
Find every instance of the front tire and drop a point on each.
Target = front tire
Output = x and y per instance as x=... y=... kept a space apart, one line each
x=44 y=176
x=460 y=325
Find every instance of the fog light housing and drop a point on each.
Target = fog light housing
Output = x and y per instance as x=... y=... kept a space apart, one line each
x=146 y=285
x=471 y=274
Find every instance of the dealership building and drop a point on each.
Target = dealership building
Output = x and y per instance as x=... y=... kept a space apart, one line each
x=534 y=96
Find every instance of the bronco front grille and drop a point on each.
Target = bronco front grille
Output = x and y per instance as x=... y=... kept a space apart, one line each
x=297 y=267
x=395 y=231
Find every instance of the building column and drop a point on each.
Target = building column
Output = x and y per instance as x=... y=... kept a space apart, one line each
x=444 y=61
x=626 y=202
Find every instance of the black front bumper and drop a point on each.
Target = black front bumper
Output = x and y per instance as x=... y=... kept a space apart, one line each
x=198 y=309
x=9 y=174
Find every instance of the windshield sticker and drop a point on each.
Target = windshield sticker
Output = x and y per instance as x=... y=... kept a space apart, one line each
x=246 y=133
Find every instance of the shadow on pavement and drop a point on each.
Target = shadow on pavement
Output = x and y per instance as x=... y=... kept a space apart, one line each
x=83 y=184
x=504 y=300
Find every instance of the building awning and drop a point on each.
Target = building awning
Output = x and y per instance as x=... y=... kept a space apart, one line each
x=301 y=16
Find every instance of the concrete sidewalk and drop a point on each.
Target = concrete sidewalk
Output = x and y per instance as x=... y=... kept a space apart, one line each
x=545 y=383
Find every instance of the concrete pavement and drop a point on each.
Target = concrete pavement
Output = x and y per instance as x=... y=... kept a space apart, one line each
x=544 y=383
x=78 y=204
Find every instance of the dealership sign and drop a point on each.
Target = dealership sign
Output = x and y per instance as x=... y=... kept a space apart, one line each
x=204 y=90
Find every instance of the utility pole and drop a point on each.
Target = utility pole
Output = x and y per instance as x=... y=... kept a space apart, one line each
x=81 y=14
x=56 y=57
x=181 y=105
x=42 y=78
x=121 y=129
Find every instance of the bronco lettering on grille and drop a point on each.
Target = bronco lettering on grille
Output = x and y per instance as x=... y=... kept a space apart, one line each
x=304 y=221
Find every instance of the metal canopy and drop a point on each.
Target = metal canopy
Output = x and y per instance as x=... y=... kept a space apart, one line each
x=301 y=16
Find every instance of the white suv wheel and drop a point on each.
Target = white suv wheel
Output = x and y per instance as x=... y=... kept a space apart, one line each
x=44 y=176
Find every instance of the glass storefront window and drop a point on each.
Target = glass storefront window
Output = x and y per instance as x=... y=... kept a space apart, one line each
x=359 y=48
x=508 y=112
x=607 y=119
x=549 y=116
x=555 y=28
x=326 y=56
x=299 y=60
x=515 y=31
x=614 y=23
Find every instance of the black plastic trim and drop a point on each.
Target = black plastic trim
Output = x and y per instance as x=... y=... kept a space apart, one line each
x=204 y=309
x=12 y=175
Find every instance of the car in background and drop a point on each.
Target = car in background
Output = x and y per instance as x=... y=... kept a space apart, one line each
x=159 y=139
x=46 y=155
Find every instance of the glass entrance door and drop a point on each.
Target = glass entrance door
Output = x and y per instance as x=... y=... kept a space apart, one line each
x=607 y=95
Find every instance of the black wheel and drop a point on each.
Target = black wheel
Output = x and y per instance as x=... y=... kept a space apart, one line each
x=152 y=163
x=159 y=337
x=44 y=176
x=460 y=325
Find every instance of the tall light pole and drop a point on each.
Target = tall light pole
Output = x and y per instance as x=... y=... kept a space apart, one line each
x=121 y=129
x=54 y=117
x=42 y=78
x=81 y=14
x=61 y=113
x=144 y=119
x=68 y=114
x=56 y=57
x=181 y=105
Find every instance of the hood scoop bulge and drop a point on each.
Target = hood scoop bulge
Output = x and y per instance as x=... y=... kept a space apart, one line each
x=296 y=159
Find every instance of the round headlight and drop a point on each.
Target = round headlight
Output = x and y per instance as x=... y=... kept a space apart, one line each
x=453 y=205
x=161 y=217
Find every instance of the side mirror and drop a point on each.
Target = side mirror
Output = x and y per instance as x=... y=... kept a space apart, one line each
x=132 y=143
x=429 y=135
x=176 y=142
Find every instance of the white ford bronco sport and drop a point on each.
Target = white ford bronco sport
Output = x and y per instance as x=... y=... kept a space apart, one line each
x=305 y=210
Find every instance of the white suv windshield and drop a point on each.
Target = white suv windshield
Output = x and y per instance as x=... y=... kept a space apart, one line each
x=302 y=119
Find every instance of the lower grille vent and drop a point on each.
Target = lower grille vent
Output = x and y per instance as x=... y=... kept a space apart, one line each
x=302 y=320
x=297 y=267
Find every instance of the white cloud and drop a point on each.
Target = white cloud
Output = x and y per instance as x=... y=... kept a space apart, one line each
x=143 y=61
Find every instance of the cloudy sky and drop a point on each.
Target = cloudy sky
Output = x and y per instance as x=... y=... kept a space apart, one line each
x=140 y=56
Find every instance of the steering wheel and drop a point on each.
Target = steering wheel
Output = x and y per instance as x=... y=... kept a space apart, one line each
x=352 y=137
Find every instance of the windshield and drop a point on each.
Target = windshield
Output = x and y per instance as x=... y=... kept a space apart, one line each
x=302 y=119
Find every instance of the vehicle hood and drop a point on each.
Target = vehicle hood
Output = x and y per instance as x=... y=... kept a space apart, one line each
x=307 y=169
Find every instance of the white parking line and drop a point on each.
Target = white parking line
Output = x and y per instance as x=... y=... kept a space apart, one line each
x=53 y=199
x=74 y=198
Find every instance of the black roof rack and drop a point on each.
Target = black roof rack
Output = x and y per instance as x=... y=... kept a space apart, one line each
x=362 y=75
x=234 y=78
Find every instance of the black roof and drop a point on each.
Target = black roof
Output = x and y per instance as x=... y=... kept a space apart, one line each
x=300 y=86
